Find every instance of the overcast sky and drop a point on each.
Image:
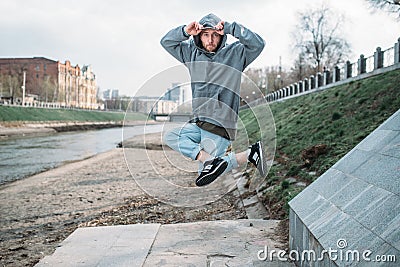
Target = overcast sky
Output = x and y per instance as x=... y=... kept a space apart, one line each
x=121 y=38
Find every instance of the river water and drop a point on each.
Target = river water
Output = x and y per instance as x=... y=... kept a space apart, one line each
x=22 y=157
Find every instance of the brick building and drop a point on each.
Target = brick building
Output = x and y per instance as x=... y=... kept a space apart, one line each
x=48 y=81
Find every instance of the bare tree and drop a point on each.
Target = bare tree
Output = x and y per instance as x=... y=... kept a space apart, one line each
x=10 y=87
x=390 y=6
x=47 y=89
x=318 y=42
x=252 y=87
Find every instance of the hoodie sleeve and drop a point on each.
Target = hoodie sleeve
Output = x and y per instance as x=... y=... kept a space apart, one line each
x=175 y=42
x=252 y=42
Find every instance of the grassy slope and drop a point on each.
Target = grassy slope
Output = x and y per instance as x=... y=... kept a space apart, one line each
x=11 y=114
x=337 y=118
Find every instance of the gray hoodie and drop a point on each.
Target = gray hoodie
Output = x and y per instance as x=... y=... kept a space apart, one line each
x=215 y=76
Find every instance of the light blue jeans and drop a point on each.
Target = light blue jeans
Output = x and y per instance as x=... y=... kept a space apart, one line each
x=190 y=139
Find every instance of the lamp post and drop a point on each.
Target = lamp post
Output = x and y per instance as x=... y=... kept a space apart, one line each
x=277 y=82
x=23 y=89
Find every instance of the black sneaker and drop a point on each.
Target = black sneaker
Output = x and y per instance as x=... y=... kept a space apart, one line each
x=212 y=169
x=256 y=157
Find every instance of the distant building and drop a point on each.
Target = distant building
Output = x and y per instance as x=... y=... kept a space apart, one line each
x=107 y=94
x=143 y=104
x=165 y=107
x=172 y=93
x=48 y=81
x=179 y=93
x=114 y=94
x=110 y=94
x=176 y=100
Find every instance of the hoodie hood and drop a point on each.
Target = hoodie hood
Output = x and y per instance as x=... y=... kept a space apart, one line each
x=209 y=22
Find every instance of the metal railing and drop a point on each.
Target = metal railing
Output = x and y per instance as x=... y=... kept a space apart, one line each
x=380 y=59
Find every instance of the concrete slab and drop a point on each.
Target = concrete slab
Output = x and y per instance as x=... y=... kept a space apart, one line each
x=213 y=243
x=125 y=245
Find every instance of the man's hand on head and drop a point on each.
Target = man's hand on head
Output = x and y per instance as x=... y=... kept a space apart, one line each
x=193 y=28
x=220 y=27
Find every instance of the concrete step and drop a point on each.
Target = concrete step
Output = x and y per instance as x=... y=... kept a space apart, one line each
x=211 y=243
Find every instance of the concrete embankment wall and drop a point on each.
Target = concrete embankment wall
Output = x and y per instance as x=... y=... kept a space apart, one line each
x=354 y=207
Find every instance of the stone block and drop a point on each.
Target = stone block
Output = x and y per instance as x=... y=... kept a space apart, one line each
x=333 y=223
x=319 y=211
x=308 y=203
x=331 y=182
x=250 y=201
x=377 y=140
x=298 y=234
x=382 y=171
x=392 y=148
x=306 y=238
x=348 y=193
x=352 y=161
x=377 y=219
x=328 y=219
x=369 y=199
x=301 y=203
x=393 y=123
x=392 y=233
x=350 y=231
x=368 y=241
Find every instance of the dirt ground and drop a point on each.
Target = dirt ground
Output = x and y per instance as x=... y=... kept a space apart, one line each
x=39 y=212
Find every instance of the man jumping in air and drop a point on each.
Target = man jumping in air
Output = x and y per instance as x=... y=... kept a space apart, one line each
x=215 y=69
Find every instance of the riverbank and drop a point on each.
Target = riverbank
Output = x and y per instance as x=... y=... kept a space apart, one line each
x=35 y=114
x=26 y=128
x=21 y=121
x=40 y=211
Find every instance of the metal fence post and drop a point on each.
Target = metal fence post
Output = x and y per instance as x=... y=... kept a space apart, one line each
x=305 y=84
x=378 y=58
x=327 y=74
x=300 y=86
x=362 y=64
x=312 y=82
x=336 y=74
x=318 y=80
x=347 y=70
x=397 y=52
